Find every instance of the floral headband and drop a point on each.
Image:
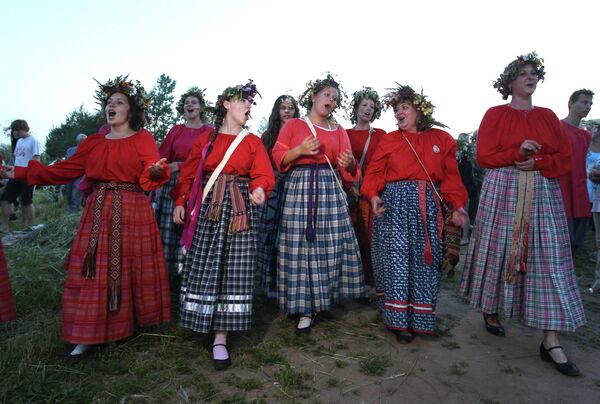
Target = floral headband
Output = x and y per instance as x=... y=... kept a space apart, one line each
x=420 y=101
x=365 y=93
x=512 y=70
x=192 y=92
x=132 y=89
x=313 y=87
x=241 y=92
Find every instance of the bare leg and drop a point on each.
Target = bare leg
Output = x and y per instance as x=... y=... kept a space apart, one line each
x=29 y=215
x=5 y=207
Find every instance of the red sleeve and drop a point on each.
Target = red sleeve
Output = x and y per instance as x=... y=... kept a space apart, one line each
x=62 y=172
x=187 y=172
x=148 y=155
x=282 y=146
x=557 y=162
x=491 y=152
x=347 y=176
x=452 y=188
x=261 y=171
x=374 y=179
x=166 y=147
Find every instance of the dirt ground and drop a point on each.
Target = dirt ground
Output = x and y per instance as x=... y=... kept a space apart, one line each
x=351 y=358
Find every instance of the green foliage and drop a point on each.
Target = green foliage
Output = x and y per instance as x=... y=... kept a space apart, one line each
x=62 y=137
x=373 y=364
x=161 y=113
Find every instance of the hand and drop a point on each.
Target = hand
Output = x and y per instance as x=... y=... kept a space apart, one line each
x=156 y=169
x=174 y=167
x=526 y=165
x=459 y=217
x=377 y=206
x=258 y=196
x=178 y=214
x=529 y=148
x=8 y=172
x=346 y=160
x=309 y=146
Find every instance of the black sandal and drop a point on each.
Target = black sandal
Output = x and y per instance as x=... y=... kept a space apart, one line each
x=221 y=364
x=497 y=330
x=404 y=338
x=566 y=368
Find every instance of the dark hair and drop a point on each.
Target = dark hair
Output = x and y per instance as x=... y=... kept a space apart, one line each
x=367 y=93
x=137 y=98
x=575 y=96
x=193 y=92
x=19 y=124
x=274 y=124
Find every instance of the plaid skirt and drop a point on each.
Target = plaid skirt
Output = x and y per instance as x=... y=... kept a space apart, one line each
x=312 y=274
x=545 y=296
x=170 y=232
x=218 y=274
x=407 y=287
x=145 y=296
x=7 y=304
x=269 y=218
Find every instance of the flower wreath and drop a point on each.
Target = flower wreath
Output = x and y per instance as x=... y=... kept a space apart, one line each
x=420 y=101
x=192 y=92
x=313 y=87
x=365 y=93
x=132 y=89
x=512 y=70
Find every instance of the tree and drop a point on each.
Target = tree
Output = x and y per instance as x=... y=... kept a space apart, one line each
x=160 y=113
x=62 y=137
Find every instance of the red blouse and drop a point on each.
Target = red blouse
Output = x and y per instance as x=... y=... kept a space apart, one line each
x=103 y=160
x=394 y=160
x=358 y=139
x=573 y=185
x=504 y=128
x=331 y=144
x=250 y=159
x=179 y=142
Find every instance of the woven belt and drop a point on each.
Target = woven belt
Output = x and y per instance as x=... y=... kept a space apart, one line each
x=239 y=219
x=114 y=238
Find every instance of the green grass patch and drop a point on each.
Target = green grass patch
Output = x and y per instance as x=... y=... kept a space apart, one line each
x=373 y=364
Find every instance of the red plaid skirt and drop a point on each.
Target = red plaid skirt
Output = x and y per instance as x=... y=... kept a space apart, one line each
x=145 y=295
x=7 y=304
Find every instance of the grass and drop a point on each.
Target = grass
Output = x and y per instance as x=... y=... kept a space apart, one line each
x=373 y=364
x=459 y=368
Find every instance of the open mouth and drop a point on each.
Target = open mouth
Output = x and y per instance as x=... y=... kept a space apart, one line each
x=111 y=114
x=248 y=116
x=190 y=110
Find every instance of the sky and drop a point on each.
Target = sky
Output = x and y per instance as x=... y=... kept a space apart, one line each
x=51 y=51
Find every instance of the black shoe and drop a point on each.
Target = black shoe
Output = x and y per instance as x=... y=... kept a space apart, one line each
x=566 y=368
x=404 y=339
x=363 y=301
x=497 y=330
x=221 y=364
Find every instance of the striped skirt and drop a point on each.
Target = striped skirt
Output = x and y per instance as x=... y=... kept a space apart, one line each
x=269 y=217
x=218 y=274
x=545 y=295
x=145 y=295
x=170 y=232
x=7 y=304
x=312 y=274
x=407 y=287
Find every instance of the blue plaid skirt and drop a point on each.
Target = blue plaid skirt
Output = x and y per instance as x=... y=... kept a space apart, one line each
x=218 y=274
x=170 y=233
x=312 y=274
x=269 y=218
x=407 y=287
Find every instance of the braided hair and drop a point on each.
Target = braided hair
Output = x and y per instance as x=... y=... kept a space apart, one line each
x=274 y=125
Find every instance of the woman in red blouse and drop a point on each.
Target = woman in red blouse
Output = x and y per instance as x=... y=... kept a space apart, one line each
x=269 y=214
x=220 y=230
x=519 y=259
x=407 y=244
x=116 y=273
x=175 y=148
x=318 y=260
x=365 y=108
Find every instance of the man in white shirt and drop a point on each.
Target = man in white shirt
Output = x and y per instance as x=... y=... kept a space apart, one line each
x=27 y=148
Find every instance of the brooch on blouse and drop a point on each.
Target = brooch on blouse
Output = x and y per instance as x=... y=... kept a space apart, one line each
x=436 y=149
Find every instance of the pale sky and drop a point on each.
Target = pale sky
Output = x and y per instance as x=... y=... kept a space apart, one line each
x=51 y=50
